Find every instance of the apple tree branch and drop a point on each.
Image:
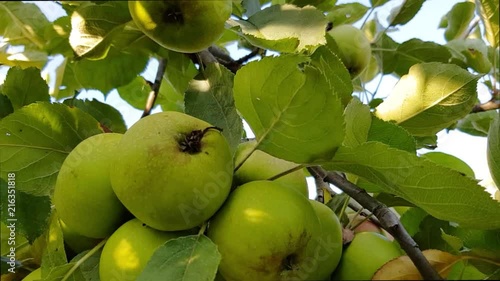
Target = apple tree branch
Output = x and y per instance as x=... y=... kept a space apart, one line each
x=155 y=88
x=387 y=218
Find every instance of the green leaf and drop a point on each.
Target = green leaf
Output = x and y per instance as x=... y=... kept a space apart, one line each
x=25 y=86
x=474 y=51
x=5 y=106
x=454 y=242
x=443 y=193
x=284 y=28
x=377 y=3
x=22 y=24
x=416 y=51
x=178 y=73
x=88 y=265
x=479 y=239
x=430 y=236
x=54 y=254
x=346 y=13
x=450 y=161
x=488 y=10
x=404 y=13
x=30 y=214
x=136 y=92
x=391 y=134
x=458 y=19
x=357 y=123
x=464 y=270
x=325 y=59
x=431 y=97
x=66 y=83
x=117 y=69
x=94 y=26
x=109 y=117
x=210 y=98
x=323 y=5
x=36 y=139
x=412 y=218
x=185 y=258
x=57 y=36
x=387 y=55
x=493 y=150
x=477 y=124
x=295 y=115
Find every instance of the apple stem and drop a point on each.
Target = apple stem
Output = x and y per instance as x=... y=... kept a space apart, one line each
x=238 y=165
x=191 y=142
x=83 y=259
x=284 y=173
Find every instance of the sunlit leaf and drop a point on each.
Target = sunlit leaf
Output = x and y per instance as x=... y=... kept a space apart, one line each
x=210 y=98
x=474 y=51
x=458 y=19
x=488 y=9
x=22 y=24
x=285 y=28
x=36 y=139
x=430 y=98
x=25 y=86
x=185 y=258
x=295 y=115
x=442 y=192
x=136 y=92
x=404 y=13
x=93 y=27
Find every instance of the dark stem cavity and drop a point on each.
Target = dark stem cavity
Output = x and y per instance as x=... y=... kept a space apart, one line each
x=289 y=262
x=192 y=141
x=173 y=15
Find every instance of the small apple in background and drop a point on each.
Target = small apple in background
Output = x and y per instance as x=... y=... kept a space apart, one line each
x=76 y=242
x=34 y=275
x=172 y=171
x=265 y=231
x=129 y=248
x=187 y=26
x=366 y=253
x=366 y=224
x=263 y=166
x=353 y=48
x=83 y=196
x=330 y=245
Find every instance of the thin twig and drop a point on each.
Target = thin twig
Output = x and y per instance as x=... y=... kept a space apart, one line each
x=155 y=88
x=387 y=218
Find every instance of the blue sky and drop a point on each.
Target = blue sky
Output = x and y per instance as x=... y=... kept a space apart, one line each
x=470 y=149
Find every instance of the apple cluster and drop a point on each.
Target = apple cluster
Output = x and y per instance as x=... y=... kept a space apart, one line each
x=171 y=173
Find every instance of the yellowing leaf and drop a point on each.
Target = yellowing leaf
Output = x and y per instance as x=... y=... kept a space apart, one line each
x=402 y=268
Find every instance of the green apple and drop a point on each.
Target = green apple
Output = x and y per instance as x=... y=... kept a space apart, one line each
x=266 y=232
x=353 y=48
x=331 y=234
x=76 y=242
x=187 y=26
x=172 y=171
x=263 y=166
x=366 y=253
x=34 y=275
x=83 y=195
x=129 y=248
